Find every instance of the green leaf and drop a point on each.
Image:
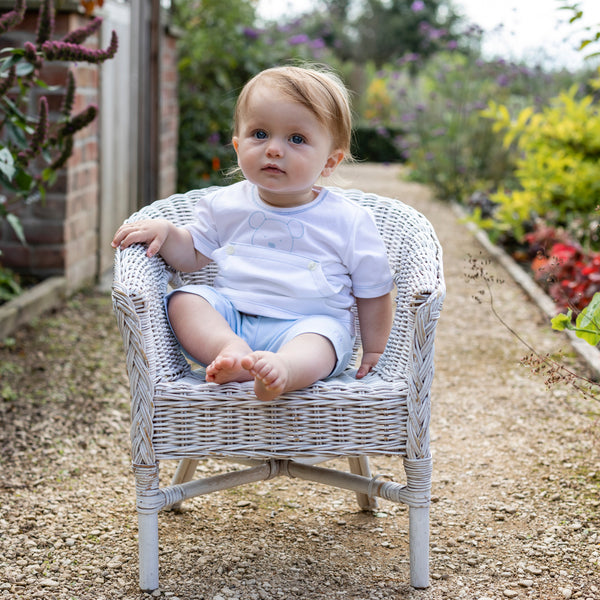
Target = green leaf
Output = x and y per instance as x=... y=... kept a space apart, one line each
x=576 y=16
x=16 y=133
x=561 y=322
x=14 y=222
x=588 y=322
x=7 y=163
x=24 y=69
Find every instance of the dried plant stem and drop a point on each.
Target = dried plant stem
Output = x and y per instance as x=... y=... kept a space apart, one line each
x=553 y=370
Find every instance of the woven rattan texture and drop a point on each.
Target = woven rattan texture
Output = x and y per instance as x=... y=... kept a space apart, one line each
x=175 y=414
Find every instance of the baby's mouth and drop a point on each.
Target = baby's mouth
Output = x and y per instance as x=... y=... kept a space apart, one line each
x=272 y=169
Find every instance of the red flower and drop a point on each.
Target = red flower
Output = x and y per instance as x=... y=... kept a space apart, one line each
x=564 y=252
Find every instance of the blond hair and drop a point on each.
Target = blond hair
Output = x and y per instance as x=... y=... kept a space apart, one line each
x=319 y=90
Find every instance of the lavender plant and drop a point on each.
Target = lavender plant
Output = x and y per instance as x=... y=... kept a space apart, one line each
x=34 y=148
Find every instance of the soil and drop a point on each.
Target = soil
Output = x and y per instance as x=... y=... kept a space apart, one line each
x=516 y=482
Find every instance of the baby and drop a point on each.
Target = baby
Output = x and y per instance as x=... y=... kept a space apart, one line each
x=293 y=258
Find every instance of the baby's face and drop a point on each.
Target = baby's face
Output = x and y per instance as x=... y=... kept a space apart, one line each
x=283 y=148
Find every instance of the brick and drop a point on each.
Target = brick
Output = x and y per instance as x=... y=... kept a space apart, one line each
x=38 y=233
x=80 y=225
x=48 y=257
x=54 y=73
x=81 y=273
x=53 y=207
x=86 y=76
x=82 y=204
x=15 y=255
x=90 y=150
x=82 y=249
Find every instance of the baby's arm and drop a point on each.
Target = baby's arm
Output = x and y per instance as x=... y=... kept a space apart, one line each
x=375 y=316
x=174 y=243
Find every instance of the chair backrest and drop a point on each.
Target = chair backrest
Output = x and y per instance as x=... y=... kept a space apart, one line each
x=414 y=254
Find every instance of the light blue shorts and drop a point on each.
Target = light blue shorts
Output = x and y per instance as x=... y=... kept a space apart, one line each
x=267 y=333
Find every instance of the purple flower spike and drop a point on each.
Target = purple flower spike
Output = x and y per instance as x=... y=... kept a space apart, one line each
x=40 y=135
x=69 y=99
x=79 y=121
x=74 y=52
x=80 y=35
x=12 y=18
x=64 y=156
x=31 y=55
x=45 y=27
x=417 y=6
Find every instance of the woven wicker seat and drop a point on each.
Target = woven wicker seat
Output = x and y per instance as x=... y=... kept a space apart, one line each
x=177 y=415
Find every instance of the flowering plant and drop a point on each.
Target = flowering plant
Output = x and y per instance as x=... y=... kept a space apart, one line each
x=34 y=148
x=570 y=274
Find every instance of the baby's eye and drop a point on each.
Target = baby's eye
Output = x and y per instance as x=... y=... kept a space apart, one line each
x=260 y=134
x=297 y=139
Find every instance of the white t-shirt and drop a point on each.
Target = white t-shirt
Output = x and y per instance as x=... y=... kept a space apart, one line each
x=287 y=263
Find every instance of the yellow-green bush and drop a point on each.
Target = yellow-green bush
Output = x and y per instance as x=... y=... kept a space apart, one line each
x=557 y=167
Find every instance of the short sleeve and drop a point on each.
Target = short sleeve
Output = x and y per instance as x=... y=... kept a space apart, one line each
x=203 y=228
x=368 y=263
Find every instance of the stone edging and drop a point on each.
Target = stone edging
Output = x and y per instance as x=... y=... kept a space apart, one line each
x=590 y=354
x=31 y=304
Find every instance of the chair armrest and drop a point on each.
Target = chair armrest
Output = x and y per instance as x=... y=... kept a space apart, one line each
x=152 y=352
x=409 y=353
x=420 y=292
x=139 y=288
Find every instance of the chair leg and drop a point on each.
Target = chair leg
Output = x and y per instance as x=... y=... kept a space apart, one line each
x=148 y=503
x=359 y=465
x=418 y=535
x=185 y=472
x=148 y=551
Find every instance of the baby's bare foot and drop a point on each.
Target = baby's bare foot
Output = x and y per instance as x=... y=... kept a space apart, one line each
x=270 y=372
x=227 y=367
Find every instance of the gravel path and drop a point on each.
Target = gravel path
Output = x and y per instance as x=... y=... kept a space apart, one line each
x=516 y=481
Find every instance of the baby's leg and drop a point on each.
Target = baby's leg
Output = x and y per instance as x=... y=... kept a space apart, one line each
x=206 y=335
x=297 y=364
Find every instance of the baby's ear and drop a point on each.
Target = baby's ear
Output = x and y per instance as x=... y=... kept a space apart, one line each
x=334 y=159
x=235 y=141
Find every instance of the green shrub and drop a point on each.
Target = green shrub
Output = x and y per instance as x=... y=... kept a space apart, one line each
x=446 y=142
x=376 y=144
x=557 y=167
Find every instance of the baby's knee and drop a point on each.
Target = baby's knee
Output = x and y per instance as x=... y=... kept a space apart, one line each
x=184 y=305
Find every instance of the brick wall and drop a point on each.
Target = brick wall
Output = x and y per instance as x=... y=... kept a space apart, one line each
x=62 y=231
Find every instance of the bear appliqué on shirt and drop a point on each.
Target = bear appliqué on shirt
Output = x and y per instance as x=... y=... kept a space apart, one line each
x=274 y=233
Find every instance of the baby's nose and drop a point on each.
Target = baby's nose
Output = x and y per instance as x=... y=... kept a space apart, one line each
x=274 y=148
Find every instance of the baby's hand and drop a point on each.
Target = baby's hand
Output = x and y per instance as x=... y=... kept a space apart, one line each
x=367 y=364
x=153 y=232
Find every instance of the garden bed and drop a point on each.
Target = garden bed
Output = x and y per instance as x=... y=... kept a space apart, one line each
x=35 y=301
x=590 y=354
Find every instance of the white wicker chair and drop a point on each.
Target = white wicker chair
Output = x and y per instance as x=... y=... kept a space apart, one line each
x=176 y=415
